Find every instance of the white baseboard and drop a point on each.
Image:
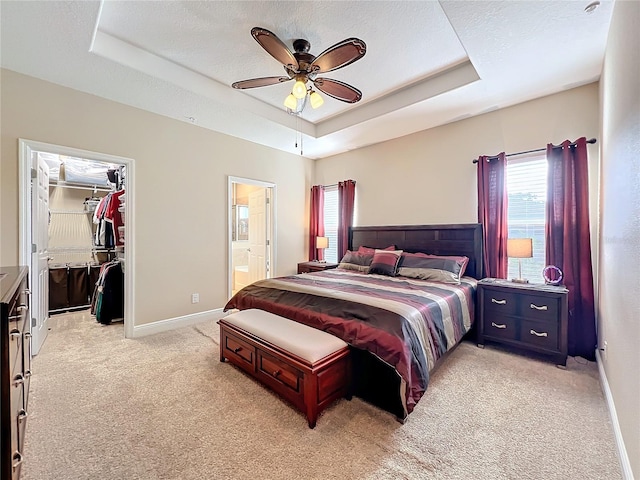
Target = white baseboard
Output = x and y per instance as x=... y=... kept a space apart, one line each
x=627 y=473
x=176 y=322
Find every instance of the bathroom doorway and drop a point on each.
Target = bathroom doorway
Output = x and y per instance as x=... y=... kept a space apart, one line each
x=251 y=232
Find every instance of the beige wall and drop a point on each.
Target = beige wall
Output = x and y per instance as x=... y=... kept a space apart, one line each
x=619 y=306
x=180 y=190
x=428 y=177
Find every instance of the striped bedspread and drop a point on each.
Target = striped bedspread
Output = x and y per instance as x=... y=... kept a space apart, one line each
x=407 y=323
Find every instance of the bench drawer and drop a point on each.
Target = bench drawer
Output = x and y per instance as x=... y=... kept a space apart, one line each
x=284 y=373
x=237 y=348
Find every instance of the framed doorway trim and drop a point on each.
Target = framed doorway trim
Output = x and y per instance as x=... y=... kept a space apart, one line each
x=26 y=147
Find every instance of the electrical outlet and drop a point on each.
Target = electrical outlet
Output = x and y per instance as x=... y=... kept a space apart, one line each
x=603 y=349
x=195 y=297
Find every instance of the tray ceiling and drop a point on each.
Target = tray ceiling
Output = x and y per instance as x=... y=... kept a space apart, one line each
x=427 y=63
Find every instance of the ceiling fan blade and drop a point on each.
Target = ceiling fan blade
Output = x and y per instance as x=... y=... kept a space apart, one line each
x=274 y=47
x=259 y=82
x=338 y=56
x=338 y=90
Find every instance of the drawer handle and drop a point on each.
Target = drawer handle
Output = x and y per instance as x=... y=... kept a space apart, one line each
x=22 y=308
x=27 y=374
x=498 y=325
x=22 y=415
x=543 y=334
x=27 y=335
x=15 y=334
x=276 y=373
x=27 y=292
x=18 y=380
x=17 y=460
x=536 y=307
x=499 y=302
x=236 y=350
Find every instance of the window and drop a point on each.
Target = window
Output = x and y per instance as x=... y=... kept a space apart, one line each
x=331 y=223
x=527 y=195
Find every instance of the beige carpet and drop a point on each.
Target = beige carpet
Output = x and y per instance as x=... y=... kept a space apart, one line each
x=164 y=407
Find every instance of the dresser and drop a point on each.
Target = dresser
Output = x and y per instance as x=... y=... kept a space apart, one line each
x=308 y=267
x=529 y=316
x=15 y=368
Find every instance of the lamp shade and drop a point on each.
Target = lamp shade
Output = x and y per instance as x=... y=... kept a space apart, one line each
x=290 y=102
x=322 y=242
x=315 y=99
x=520 y=247
x=299 y=89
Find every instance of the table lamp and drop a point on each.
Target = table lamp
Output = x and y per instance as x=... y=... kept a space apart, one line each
x=520 y=248
x=322 y=243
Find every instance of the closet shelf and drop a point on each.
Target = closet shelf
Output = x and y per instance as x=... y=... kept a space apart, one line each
x=95 y=188
x=79 y=249
x=70 y=212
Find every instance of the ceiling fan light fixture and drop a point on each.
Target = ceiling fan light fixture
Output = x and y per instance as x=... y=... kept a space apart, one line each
x=315 y=99
x=290 y=102
x=299 y=89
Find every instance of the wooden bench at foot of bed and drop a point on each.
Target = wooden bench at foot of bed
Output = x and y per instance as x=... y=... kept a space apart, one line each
x=308 y=367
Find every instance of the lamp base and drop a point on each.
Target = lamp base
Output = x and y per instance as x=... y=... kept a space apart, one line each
x=519 y=280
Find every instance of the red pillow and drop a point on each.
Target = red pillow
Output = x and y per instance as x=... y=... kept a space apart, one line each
x=371 y=251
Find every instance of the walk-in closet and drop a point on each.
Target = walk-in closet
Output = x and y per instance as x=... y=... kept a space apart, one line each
x=86 y=237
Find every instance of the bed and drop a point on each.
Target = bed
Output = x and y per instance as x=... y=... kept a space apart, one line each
x=399 y=327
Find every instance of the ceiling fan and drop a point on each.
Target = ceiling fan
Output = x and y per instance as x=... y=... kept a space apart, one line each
x=304 y=67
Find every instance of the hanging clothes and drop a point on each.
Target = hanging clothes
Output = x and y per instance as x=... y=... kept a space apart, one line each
x=108 y=218
x=108 y=297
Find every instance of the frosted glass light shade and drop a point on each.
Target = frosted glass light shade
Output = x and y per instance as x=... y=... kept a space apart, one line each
x=299 y=89
x=290 y=102
x=316 y=100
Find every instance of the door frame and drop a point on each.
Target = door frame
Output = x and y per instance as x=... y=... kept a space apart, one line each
x=271 y=272
x=26 y=147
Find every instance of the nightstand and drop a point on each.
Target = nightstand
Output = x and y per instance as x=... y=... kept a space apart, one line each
x=529 y=316
x=308 y=267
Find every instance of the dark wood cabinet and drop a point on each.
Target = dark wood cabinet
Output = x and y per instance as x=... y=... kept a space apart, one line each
x=529 y=316
x=15 y=367
x=308 y=267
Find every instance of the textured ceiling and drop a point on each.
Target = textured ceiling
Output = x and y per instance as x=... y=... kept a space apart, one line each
x=427 y=63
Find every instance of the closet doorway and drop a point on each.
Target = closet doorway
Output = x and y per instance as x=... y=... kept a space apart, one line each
x=251 y=232
x=59 y=191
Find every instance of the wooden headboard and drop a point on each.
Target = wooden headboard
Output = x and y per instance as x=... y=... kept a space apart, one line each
x=459 y=239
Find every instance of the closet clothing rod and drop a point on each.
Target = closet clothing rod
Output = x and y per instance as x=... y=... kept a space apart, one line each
x=493 y=157
x=80 y=187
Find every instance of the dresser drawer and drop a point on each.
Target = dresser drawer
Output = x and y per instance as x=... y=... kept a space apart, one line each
x=15 y=346
x=540 y=334
x=240 y=350
x=500 y=302
x=280 y=371
x=500 y=326
x=538 y=307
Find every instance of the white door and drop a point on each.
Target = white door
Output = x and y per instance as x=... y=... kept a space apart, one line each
x=40 y=256
x=258 y=267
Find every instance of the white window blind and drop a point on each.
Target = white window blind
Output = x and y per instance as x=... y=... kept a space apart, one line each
x=331 y=223
x=527 y=196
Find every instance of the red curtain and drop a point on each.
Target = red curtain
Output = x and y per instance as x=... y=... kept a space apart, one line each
x=568 y=239
x=316 y=224
x=492 y=214
x=346 y=200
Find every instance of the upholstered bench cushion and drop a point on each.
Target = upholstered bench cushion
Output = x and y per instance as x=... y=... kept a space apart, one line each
x=306 y=342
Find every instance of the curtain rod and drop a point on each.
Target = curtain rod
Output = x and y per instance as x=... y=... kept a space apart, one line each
x=592 y=141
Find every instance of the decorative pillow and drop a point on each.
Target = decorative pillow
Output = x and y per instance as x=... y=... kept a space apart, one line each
x=446 y=269
x=371 y=251
x=355 y=261
x=385 y=262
